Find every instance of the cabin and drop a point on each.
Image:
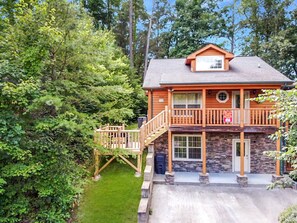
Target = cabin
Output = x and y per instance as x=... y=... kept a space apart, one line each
x=201 y=117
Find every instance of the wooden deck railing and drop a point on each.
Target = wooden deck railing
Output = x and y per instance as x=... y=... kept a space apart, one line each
x=260 y=117
x=156 y=123
x=222 y=117
x=190 y=116
x=118 y=139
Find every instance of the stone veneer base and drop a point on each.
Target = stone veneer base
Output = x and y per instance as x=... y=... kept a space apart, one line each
x=204 y=178
x=169 y=178
x=242 y=180
x=219 y=153
x=276 y=178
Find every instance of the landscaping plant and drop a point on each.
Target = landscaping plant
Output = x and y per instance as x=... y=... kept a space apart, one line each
x=60 y=78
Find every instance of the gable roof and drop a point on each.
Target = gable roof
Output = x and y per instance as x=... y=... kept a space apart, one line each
x=243 y=70
x=192 y=56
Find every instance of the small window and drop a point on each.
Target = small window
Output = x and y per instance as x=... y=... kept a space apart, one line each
x=187 y=147
x=209 y=63
x=222 y=96
x=186 y=100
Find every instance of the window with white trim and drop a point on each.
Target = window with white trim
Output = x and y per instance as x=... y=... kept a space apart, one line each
x=187 y=147
x=186 y=100
x=222 y=96
x=209 y=63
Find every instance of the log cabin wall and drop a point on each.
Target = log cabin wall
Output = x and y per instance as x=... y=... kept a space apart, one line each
x=160 y=100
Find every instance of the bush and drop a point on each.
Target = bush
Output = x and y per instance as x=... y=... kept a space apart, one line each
x=289 y=215
x=293 y=175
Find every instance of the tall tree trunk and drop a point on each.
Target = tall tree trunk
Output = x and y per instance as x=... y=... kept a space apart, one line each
x=147 y=48
x=131 y=33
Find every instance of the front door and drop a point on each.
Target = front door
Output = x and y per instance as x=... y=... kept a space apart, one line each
x=236 y=104
x=236 y=155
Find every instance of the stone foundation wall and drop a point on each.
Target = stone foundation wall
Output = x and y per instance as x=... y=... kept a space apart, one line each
x=219 y=153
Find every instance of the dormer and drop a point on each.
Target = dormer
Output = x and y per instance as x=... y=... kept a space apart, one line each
x=209 y=58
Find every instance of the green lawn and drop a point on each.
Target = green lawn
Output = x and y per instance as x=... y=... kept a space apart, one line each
x=112 y=199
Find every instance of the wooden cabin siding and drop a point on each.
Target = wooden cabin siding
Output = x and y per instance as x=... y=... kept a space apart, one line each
x=158 y=106
x=254 y=104
x=211 y=100
x=211 y=52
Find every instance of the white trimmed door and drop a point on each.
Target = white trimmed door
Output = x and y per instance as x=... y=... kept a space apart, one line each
x=236 y=104
x=236 y=155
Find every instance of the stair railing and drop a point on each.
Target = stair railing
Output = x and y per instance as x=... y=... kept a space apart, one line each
x=152 y=126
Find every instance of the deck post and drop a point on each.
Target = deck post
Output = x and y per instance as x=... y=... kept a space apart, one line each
x=203 y=152
x=169 y=106
x=169 y=151
x=242 y=133
x=242 y=179
x=203 y=107
x=242 y=153
x=277 y=166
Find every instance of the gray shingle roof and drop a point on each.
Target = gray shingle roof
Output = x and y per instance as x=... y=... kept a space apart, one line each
x=243 y=70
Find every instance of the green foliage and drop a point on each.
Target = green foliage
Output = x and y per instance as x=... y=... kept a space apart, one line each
x=289 y=215
x=285 y=111
x=60 y=78
x=271 y=32
x=195 y=22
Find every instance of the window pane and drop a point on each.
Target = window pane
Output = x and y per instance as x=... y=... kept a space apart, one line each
x=193 y=106
x=179 y=106
x=179 y=98
x=209 y=62
x=180 y=141
x=180 y=152
x=194 y=141
x=238 y=149
x=194 y=153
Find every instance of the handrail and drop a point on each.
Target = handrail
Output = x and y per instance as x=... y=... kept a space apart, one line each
x=156 y=123
x=118 y=139
x=223 y=116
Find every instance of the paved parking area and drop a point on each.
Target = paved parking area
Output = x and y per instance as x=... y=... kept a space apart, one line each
x=214 y=204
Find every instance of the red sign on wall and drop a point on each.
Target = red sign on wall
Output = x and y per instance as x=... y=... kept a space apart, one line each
x=227 y=116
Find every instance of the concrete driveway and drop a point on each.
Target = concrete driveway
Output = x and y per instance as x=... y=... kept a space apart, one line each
x=207 y=204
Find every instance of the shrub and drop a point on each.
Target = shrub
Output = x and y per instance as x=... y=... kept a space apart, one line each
x=289 y=215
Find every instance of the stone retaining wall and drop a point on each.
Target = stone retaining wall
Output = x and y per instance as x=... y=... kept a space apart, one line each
x=147 y=187
x=219 y=153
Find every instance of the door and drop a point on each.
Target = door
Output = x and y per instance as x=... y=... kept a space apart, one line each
x=236 y=104
x=236 y=155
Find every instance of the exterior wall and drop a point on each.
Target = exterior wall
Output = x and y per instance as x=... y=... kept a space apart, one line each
x=219 y=153
x=211 y=100
x=158 y=105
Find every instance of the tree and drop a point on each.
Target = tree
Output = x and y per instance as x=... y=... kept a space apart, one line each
x=162 y=18
x=285 y=110
x=196 y=21
x=59 y=80
x=271 y=32
x=103 y=11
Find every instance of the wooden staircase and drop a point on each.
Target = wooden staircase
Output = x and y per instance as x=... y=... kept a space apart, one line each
x=134 y=141
x=154 y=128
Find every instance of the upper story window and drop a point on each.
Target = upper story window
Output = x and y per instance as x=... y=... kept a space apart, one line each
x=186 y=100
x=209 y=63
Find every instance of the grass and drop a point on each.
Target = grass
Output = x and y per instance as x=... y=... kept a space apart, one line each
x=132 y=126
x=112 y=199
